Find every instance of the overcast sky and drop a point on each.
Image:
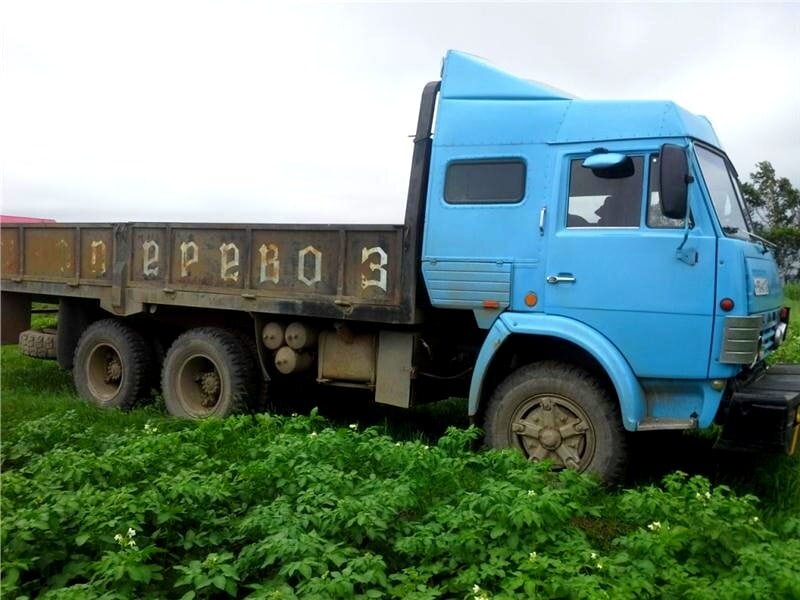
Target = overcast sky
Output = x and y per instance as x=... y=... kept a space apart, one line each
x=258 y=112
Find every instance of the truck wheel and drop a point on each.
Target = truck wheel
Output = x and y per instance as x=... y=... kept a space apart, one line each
x=257 y=401
x=38 y=343
x=207 y=372
x=554 y=411
x=111 y=365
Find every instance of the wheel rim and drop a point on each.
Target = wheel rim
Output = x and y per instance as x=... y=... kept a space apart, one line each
x=554 y=427
x=105 y=372
x=200 y=385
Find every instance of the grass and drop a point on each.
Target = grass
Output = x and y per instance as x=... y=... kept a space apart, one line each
x=789 y=352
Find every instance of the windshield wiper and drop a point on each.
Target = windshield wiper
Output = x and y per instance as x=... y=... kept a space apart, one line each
x=764 y=242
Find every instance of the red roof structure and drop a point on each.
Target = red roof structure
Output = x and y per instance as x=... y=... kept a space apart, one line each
x=16 y=219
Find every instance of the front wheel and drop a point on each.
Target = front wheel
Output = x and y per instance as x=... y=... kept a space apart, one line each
x=558 y=412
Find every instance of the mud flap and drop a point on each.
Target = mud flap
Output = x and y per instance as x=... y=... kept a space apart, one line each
x=764 y=415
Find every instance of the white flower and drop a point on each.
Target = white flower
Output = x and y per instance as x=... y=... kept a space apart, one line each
x=478 y=593
x=312 y=434
x=654 y=526
x=398 y=444
x=754 y=520
x=593 y=556
x=353 y=426
x=294 y=414
x=148 y=428
x=426 y=447
x=118 y=538
x=532 y=556
x=531 y=493
x=600 y=566
x=708 y=495
x=132 y=543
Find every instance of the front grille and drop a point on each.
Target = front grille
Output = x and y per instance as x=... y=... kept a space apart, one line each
x=749 y=338
x=771 y=321
x=740 y=342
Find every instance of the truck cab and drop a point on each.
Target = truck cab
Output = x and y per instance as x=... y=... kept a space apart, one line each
x=546 y=217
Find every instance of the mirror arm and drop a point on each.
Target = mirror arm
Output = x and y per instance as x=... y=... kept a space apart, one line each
x=689 y=255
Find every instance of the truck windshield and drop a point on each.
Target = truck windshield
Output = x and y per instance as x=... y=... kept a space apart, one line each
x=721 y=183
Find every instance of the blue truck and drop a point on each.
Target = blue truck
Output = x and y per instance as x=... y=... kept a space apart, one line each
x=579 y=269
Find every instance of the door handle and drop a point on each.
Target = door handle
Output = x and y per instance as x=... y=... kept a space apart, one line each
x=561 y=278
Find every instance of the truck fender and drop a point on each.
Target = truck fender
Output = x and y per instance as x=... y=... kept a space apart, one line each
x=630 y=393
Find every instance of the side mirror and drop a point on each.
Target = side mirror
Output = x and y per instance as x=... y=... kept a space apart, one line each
x=675 y=178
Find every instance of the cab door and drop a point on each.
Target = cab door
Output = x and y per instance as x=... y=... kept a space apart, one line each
x=612 y=263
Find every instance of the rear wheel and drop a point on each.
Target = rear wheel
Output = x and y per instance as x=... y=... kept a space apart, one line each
x=207 y=372
x=111 y=365
x=560 y=413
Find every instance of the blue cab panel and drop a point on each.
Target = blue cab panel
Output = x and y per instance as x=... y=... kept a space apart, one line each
x=591 y=246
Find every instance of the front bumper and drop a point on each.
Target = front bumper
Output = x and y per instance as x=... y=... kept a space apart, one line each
x=763 y=415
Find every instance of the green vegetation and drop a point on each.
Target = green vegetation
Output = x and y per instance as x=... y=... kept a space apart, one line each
x=106 y=504
x=789 y=352
x=773 y=204
x=369 y=503
x=40 y=319
x=792 y=292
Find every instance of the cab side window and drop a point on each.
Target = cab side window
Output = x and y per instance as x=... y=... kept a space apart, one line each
x=485 y=182
x=605 y=199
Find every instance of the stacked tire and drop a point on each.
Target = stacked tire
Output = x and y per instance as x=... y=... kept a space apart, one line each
x=38 y=343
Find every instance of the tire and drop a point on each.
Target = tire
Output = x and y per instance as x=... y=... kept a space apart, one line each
x=555 y=411
x=207 y=372
x=38 y=343
x=257 y=401
x=111 y=365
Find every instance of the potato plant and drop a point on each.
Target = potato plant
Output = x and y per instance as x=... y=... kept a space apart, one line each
x=300 y=507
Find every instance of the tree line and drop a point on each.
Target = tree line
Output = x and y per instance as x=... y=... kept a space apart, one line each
x=773 y=207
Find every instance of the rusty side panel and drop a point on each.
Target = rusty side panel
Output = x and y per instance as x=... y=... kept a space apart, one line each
x=328 y=271
x=49 y=253
x=295 y=262
x=149 y=256
x=207 y=258
x=96 y=254
x=374 y=265
x=9 y=252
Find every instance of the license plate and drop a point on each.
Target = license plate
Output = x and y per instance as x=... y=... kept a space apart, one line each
x=761 y=285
